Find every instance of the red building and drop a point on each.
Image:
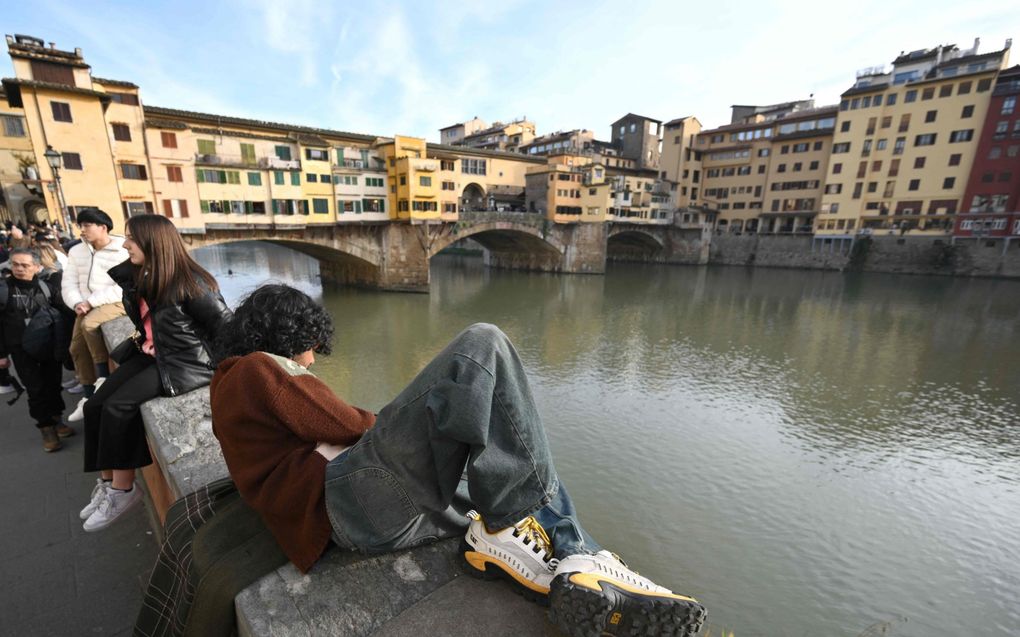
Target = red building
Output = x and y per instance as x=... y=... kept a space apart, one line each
x=991 y=204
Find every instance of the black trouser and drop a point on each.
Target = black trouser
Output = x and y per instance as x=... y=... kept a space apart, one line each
x=42 y=382
x=114 y=433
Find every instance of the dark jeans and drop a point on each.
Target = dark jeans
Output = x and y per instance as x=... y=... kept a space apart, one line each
x=42 y=383
x=114 y=433
x=464 y=434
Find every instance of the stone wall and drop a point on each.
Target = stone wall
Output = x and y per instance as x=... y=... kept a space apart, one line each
x=775 y=252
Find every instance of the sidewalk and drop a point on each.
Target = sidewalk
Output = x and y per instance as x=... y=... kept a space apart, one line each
x=55 y=579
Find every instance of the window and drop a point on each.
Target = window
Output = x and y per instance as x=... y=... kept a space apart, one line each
x=123 y=98
x=206 y=147
x=930 y=116
x=886 y=121
x=995 y=152
x=813 y=165
x=248 y=154
x=1005 y=175
x=376 y=205
x=295 y=178
x=945 y=90
x=919 y=162
x=797 y=166
x=984 y=85
x=948 y=183
x=833 y=189
x=857 y=190
x=320 y=206
x=954 y=160
x=173 y=173
x=872 y=186
x=862 y=169
x=761 y=169
x=14 y=126
x=837 y=169
x=175 y=208
x=121 y=132
x=472 y=166
x=169 y=140
x=915 y=184
x=403 y=180
x=817 y=146
x=1013 y=150
x=904 y=122
x=445 y=164
x=881 y=144
x=961 y=136
x=842 y=147
x=311 y=178
x=988 y=178
x=282 y=152
x=872 y=122
x=866 y=149
x=844 y=127
x=927 y=139
x=890 y=188
x=324 y=179
x=910 y=96
x=1008 y=105
x=316 y=154
x=377 y=182
x=278 y=177
x=133 y=171
x=876 y=166
x=894 y=168
x=61 y=111
x=762 y=152
x=425 y=181
x=781 y=168
x=900 y=144
x=254 y=179
x=891 y=100
x=964 y=88
x=72 y=161
x=968 y=111
x=928 y=93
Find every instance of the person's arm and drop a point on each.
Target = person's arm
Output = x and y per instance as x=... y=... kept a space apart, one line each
x=209 y=311
x=106 y=295
x=69 y=289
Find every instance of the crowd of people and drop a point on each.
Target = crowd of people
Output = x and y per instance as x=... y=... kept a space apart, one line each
x=461 y=452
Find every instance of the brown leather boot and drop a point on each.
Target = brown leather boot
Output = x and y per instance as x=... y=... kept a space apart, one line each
x=64 y=431
x=51 y=442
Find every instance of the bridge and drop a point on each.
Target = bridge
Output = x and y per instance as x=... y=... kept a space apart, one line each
x=395 y=255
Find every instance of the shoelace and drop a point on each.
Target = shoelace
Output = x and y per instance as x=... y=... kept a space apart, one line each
x=533 y=533
x=106 y=505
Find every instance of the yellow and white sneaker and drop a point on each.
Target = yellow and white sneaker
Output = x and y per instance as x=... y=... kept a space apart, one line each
x=521 y=553
x=597 y=594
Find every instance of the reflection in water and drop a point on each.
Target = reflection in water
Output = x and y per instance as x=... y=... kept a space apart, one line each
x=809 y=453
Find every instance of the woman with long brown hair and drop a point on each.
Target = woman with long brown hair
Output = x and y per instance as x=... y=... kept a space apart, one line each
x=177 y=309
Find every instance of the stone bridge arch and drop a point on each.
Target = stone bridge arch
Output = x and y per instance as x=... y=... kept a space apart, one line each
x=629 y=242
x=503 y=236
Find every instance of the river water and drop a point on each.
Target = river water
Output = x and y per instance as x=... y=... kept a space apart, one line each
x=808 y=453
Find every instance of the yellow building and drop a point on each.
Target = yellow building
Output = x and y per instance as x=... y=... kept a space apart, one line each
x=126 y=129
x=24 y=198
x=172 y=151
x=680 y=162
x=905 y=142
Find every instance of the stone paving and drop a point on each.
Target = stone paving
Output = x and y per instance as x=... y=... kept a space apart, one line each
x=55 y=579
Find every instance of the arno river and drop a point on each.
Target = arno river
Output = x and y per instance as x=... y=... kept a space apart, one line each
x=808 y=453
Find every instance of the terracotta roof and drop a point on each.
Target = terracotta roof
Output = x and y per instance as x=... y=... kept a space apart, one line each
x=158 y=122
x=209 y=118
x=311 y=140
x=679 y=120
x=114 y=82
x=13 y=88
x=46 y=55
x=231 y=133
x=630 y=115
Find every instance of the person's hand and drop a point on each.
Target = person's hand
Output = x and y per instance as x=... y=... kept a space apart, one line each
x=83 y=308
x=5 y=362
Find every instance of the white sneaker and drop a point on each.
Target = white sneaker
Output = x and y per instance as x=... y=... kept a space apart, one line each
x=598 y=594
x=113 y=504
x=98 y=492
x=6 y=389
x=521 y=553
x=77 y=388
x=79 y=412
x=69 y=383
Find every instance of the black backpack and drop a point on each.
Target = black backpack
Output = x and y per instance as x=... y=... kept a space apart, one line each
x=47 y=336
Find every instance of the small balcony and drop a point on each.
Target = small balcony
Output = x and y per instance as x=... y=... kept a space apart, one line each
x=226 y=161
x=275 y=163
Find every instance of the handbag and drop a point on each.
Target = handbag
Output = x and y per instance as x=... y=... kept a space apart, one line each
x=126 y=349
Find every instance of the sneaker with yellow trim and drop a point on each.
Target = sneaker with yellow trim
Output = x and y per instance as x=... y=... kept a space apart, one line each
x=597 y=594
x=521 y=553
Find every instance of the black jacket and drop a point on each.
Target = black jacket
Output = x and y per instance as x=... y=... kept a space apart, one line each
x=183 y=332
x=19 y=300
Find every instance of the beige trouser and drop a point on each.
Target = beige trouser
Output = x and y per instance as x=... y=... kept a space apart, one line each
x=87 y=345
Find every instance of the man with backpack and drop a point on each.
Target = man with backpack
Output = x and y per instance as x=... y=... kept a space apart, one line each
x=31 y=309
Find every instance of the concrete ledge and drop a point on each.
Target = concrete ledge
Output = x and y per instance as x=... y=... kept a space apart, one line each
x=422 y=591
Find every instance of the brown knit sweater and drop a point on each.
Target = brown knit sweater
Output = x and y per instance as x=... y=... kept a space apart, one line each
x=268 y=414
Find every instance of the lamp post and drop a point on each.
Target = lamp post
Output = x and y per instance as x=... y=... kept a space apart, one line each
x=55 y=160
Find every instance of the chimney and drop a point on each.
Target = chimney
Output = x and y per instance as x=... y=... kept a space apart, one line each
x=53 y=45
x=977 y=43
x=938 y=55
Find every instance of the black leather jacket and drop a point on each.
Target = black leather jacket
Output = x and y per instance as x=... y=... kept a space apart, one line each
x=183 y=332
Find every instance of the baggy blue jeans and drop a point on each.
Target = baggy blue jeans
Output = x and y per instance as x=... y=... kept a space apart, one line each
x=465 y=434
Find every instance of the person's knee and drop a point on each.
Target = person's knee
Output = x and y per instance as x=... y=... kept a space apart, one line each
x=90 y=322
x=485 y=331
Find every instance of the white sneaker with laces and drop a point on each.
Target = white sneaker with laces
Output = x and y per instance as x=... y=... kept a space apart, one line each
x=595 y=594
x=98 y=492
x=6 y=389
x=114 y=504
x=69 y=383
x=76 y=388
x=521 y=553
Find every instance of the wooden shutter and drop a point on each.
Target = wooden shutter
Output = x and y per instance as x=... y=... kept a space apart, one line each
x=184 y=208
x=169 y=139
x=49 y=72
x=168 y=208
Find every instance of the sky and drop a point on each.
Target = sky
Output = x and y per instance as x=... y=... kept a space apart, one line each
x=411 y=68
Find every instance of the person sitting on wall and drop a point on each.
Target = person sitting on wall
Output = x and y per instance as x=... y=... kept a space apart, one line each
x=21 y=296
x=94 y=297
x=317 y=468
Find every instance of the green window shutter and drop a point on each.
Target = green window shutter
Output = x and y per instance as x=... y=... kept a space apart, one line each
x=283 y=152
x=295 y=179
x=364 y=158
x=233 y=177
x=200 y=178
x=205 y=205
x=206 y=147
x=340 y=156
x=278 y=177
x=357 y=206
x=248 y=153
x=254 y=179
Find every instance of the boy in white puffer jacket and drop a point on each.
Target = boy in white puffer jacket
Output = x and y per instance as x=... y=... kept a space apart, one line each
x=93 y=295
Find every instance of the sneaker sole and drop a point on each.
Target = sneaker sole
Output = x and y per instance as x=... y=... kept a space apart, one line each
x=133 y=504
x=52 y=449
x=580 y=611
x=493 y=570
x=67 y=434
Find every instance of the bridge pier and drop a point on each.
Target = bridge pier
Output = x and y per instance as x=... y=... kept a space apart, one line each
x=403 y=266
x=584 y=253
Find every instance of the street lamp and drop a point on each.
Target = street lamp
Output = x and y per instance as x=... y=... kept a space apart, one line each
x=55 y=160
